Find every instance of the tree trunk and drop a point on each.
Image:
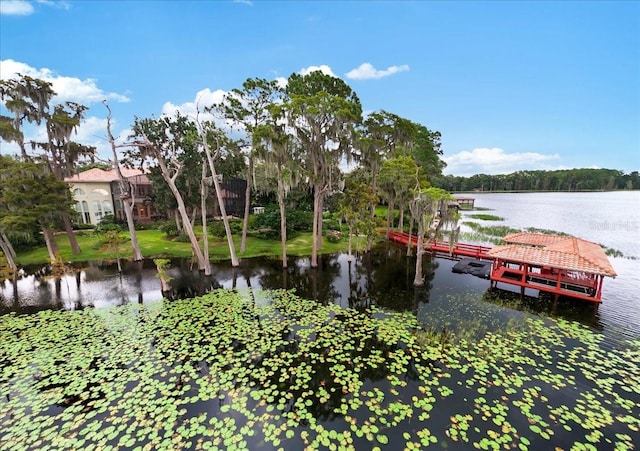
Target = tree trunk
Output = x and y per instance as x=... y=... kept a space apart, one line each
x=350 y=257
x=223 y=210
x=418 y=280
x=320 y=216
x=389 y=218
x=401 y=222
x=50 y=240
x=195 y=246
x=283 y=222
x=409 y=242
x=135 y=247
x=314 y=234
x=374 y=191
x=247 y=206
x=176 y=216
x=7 y=250
x=203 y=207
x=75 y=248
x=202 y=264
x=129 y=203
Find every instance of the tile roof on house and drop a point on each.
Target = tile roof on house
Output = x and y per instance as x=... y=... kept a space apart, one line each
x=99 y=175
x=563 y=252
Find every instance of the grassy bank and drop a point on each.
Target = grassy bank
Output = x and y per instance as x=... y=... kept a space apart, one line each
x=154 y=244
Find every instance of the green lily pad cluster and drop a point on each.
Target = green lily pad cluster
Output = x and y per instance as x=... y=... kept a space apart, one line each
x=234 y=370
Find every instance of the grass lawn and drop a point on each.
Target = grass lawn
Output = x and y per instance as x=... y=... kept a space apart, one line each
x=154 y=244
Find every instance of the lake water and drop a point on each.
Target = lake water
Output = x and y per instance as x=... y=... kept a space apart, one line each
x=611 y=219
x=551 y=386
x=383 y=277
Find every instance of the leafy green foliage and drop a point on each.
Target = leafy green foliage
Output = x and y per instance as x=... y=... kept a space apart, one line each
x=297 y=221
x=107 y=224
x=169 y=228
x=216 y=228
x=248 y=370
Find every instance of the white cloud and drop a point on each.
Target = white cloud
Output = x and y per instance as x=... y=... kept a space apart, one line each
x=204 y=98
x=244 y=2
x=16 y=7
x=495 y=161
x=66 y=88
x=366 y=71
x=322 y=68
x=25 y=7
x=55 y=4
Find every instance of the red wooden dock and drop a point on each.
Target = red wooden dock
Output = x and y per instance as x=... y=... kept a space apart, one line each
x=442 y=247
x=554 y=264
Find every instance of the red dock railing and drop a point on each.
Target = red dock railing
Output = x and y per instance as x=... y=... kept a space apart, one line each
x=458 y=249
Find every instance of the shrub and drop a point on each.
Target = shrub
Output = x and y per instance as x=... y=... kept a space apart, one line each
x=82 y=226
x=297 y=221
x=168 y=227
x=333 y=236
x=216 y=228
x=108 y=223
x=145 y=225
x=331 y=224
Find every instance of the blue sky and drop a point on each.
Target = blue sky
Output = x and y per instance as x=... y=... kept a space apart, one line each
x=510 y=85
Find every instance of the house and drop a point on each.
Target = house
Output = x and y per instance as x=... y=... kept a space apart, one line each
x=143 y=210
x=93 y=192
x=97 y=193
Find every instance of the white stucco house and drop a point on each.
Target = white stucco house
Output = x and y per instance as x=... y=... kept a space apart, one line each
x=92 y=192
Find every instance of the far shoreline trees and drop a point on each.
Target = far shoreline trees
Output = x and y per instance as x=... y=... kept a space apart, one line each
x=586 y=179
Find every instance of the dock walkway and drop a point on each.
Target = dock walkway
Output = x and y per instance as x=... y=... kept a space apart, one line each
x=443 y=247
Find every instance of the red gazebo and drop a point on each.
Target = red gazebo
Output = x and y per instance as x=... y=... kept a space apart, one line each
x=561 y=265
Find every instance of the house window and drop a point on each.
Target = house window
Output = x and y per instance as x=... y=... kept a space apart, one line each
x=83 y=212
x=100 y=191
x=78 y=192
x=106 y=206
x=97 y=210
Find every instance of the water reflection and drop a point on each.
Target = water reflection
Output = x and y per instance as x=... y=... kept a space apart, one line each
x=382 y=277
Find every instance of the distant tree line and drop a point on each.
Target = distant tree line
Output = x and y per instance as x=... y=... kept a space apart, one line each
x=559 y=180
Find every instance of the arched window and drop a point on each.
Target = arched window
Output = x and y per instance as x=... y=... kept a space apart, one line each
x=97 y=210
x=78 y=192
x=100 y=191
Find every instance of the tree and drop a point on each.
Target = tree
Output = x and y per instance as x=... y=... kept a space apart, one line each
x=167 y=141
x=323 y=111
x=427 y=151
x=29 y=99
x=127 y=192
x=426 y=205
x=31 y=194
x=211 y=136
x=112 y=242
x=397 y=177
x=248 y=108
x=355 y=205
x=276 y=148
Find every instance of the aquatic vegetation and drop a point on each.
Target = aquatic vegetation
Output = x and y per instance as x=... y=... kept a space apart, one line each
x=268 y=369
x=485 y=217
x=495 y=233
